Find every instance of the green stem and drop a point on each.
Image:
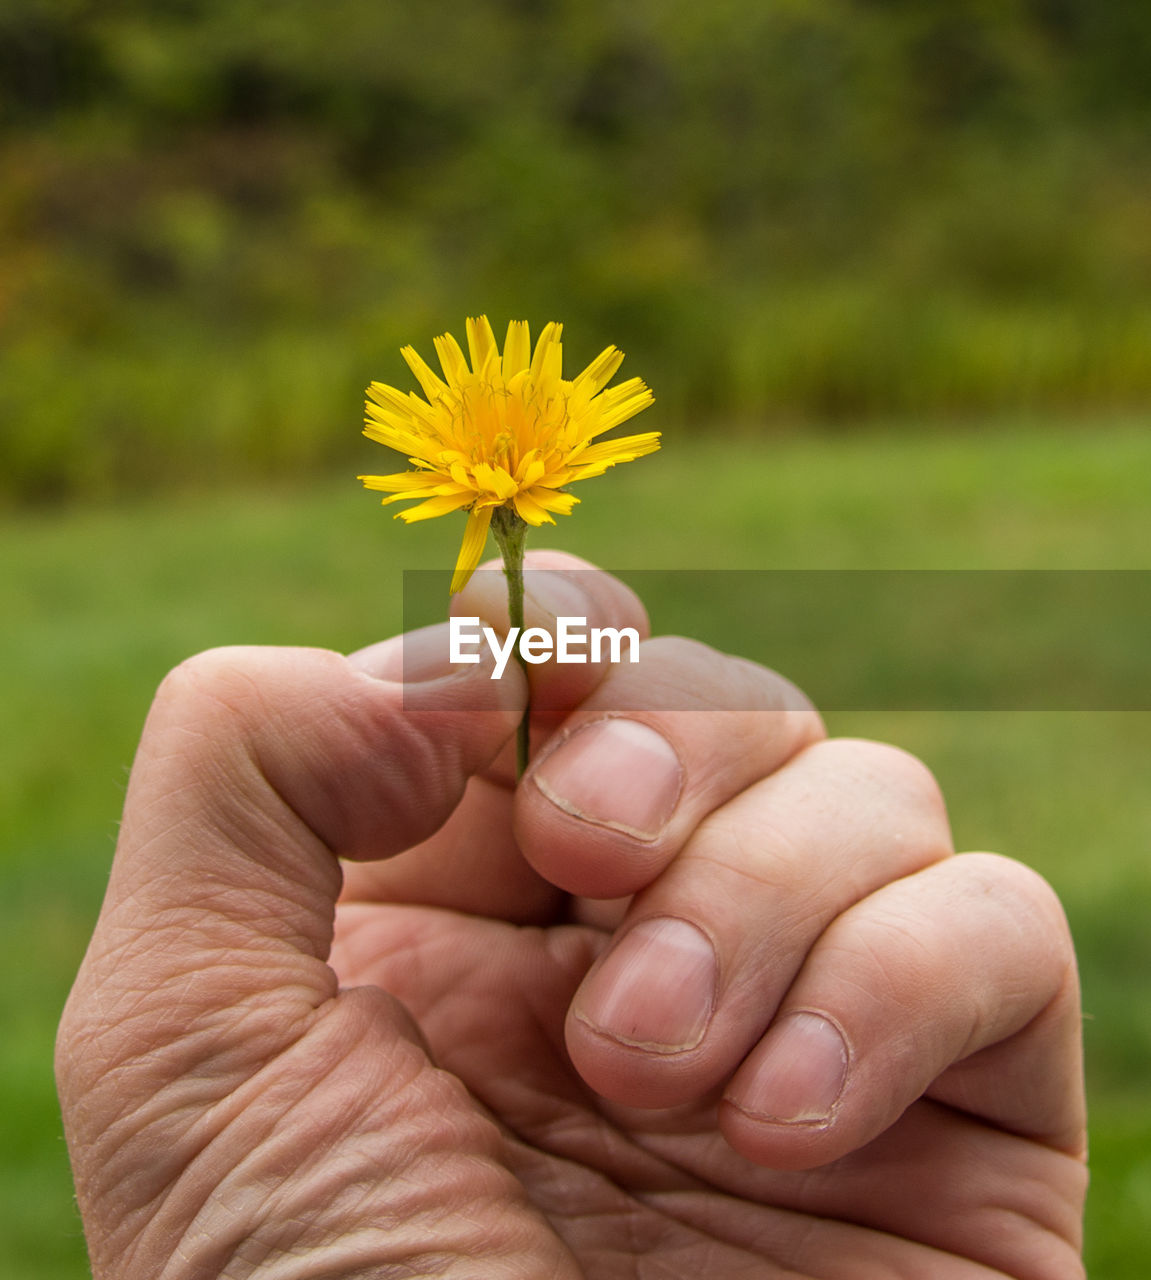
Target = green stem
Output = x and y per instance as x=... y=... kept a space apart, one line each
x=510 y=531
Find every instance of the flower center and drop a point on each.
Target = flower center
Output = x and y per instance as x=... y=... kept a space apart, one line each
x=502 y=447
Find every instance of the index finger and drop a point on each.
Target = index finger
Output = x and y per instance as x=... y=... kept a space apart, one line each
x=559 y=585
x=655 y=749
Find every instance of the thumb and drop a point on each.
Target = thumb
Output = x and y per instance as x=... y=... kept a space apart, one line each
x=225 y=1106
x=258 y=768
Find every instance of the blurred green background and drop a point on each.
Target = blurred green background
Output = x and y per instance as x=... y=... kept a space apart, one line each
x=887 y=267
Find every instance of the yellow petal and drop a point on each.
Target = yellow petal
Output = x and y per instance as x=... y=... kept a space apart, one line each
x=551 y=369
x=389 y=398
x=623 y=449
x=621 y=407
x=433 y=386
x=614 y=396
x=401 y=419
x=472 y=548
x=402 y=441
x=451 y=359
x=600 y=372
x=402 y=480
x=531 y=470
x=550 y=500
x=549 y=340
x=495 y=480
x=399 y=406
x=441 y=505
x=481 y=342
x=517 y=349
x=444 y=490
x=530 y=510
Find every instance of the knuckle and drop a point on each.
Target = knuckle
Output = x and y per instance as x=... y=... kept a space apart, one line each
x=1024 y=894
x=727 y=681
x=681 y=650
x=885 y=957
x=217 y=681
x=766 y=854
x=879 y=764
x=239 y=684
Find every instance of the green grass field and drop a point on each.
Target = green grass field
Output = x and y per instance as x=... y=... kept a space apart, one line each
x=99 y=603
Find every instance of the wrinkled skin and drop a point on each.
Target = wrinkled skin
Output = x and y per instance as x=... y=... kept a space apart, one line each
x=346 y=1012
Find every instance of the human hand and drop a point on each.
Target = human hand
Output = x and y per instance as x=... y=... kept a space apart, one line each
x=706 y=994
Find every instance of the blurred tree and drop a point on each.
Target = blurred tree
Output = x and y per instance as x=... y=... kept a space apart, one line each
x=218 y=218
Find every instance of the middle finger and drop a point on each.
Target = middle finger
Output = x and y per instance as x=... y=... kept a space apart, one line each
x=629 y=776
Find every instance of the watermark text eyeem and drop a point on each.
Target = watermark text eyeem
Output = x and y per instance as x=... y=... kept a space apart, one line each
x=573 y=641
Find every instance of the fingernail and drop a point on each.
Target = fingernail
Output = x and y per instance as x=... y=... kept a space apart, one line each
x=414 y=658
x=553 y=592
x=614 y=773
x=797 y=1073
x=656 y=989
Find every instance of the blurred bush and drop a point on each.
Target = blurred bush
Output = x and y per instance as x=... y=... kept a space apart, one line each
x=220 y=218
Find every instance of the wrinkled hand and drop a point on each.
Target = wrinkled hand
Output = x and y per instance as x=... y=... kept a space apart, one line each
x=706 y=995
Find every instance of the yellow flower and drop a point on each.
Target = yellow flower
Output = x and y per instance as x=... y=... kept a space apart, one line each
x=510 y=431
